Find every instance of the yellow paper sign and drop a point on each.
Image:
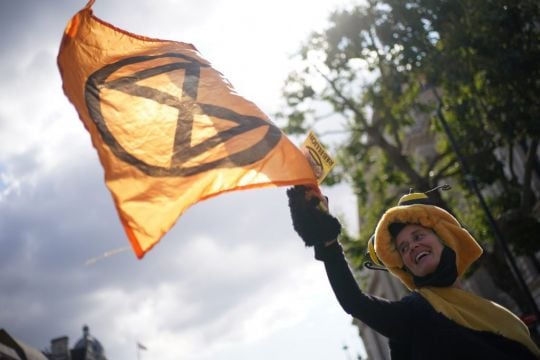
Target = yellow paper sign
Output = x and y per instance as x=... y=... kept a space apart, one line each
x=318 y=158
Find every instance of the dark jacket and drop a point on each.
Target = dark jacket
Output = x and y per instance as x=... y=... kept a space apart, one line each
x=414 y=329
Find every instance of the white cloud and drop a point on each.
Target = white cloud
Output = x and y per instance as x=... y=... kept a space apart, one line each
x=218 y=286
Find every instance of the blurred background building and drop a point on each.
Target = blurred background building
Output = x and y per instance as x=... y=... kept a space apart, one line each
x=14 y=349
x=86 y=348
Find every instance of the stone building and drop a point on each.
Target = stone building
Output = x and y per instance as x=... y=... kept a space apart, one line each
x=14 y=349
x=86 y=348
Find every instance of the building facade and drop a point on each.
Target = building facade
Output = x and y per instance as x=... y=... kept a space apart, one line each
x=86 y=348
x=14 y=349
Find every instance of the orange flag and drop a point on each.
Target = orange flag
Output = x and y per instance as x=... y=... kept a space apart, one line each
x=168 y=128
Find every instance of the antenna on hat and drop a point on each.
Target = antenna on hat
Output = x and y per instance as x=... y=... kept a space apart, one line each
x=420 y=197
x=371 y=266
x=442 y=187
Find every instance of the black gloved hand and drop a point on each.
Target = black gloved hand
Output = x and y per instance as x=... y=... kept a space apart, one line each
x=311 y=222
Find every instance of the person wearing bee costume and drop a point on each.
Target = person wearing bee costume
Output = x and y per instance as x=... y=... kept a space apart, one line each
x=429 y=251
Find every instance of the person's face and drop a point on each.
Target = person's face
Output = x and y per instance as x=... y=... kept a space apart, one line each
x=419 y=248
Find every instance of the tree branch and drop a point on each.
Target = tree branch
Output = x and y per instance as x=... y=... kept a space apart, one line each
x=394 y=153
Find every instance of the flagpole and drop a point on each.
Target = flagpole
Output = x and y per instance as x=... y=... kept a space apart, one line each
x=138 y=351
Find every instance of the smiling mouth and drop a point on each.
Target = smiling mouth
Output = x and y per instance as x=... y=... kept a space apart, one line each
x=420 y=256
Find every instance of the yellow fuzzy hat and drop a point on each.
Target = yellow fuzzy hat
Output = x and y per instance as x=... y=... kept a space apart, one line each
x=416 y=208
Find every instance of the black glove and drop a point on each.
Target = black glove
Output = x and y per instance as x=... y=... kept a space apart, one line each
x=313 y=224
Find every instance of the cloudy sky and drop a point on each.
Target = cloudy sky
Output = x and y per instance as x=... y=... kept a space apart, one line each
x=231 y=280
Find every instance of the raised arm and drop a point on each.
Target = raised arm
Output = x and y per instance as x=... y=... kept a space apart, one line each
x=389 y=318
x=320 y=229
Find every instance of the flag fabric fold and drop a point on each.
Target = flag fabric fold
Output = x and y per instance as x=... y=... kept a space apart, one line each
x=168 y=128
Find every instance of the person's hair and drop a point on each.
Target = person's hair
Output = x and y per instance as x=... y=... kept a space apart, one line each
x=395 y=228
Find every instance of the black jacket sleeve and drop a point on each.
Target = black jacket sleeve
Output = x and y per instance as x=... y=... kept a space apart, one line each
x=392 y=319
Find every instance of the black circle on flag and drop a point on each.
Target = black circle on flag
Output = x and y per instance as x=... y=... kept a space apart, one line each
x=186 y=105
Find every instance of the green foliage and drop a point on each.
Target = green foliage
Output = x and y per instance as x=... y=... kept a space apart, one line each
x=377 y=76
